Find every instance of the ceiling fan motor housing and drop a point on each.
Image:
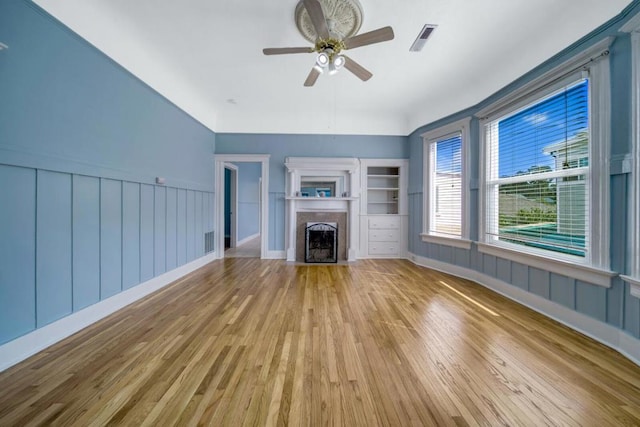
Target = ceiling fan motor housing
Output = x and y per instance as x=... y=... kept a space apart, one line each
x=330 y=46
x=344 y=19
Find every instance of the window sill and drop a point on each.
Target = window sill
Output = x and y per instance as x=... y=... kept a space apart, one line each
x=446 y=240
x=634 y=283
x=584 y=273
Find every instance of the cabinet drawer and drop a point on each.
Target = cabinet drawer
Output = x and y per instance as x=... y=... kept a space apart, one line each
x=383 y=222
x=383 y=248
x=382 y=235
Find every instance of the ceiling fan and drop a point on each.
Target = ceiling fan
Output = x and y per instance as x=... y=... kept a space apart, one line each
x=329 y=46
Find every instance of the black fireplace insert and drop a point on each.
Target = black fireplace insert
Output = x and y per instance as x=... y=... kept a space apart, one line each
x=321 y=242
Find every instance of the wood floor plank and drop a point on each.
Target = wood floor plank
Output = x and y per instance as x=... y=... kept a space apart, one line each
x=246 y=342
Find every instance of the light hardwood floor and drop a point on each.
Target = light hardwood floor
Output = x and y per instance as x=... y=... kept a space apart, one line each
x=250 y=342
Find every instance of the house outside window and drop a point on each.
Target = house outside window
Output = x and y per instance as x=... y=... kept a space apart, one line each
x=544 y=183
x=445 y=189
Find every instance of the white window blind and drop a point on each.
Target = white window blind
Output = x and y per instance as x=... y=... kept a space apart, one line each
x=446 y=185
x=537 y=179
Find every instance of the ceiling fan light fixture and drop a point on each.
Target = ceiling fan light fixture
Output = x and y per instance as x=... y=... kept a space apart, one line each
x=336 y=64
x=322 y=60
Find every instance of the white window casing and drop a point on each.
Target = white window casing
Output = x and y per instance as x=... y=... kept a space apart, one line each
x=594 y=266
x=460 y=240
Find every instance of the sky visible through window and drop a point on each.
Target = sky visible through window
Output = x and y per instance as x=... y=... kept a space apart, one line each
x=524 y=135
x=448 y=155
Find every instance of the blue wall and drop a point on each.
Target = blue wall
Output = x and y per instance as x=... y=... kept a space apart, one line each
x=248 y=199
x=287 y=145
x=615 y=305
x=81 y=142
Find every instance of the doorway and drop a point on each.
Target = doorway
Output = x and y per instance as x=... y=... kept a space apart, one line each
x=230 y=205
x=232 y=219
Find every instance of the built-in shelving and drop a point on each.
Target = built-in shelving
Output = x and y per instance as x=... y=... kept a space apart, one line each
x=383 y=221
x=383 y=187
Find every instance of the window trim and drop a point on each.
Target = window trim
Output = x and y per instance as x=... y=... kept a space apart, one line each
x=595 y=61
x=461 y=127
x=633 y=27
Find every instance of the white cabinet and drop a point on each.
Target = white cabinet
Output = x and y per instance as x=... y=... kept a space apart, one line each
x=384 y=235
x=383 y=223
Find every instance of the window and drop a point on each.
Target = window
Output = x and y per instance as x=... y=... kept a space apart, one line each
x=446 y=186
x=445 y=219
x=537 y=191
x=545 y=179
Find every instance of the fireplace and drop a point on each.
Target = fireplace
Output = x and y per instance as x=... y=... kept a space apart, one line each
x=339 y=219
x=336 y=182
x=321 y=242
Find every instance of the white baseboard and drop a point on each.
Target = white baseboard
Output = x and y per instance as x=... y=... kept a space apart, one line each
x=602 y=332
x=247 y=239
x=27 y=345
x=276 y=255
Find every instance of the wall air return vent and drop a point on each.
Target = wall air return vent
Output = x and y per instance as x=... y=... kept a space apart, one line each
x=424 y=34
x=208 y=242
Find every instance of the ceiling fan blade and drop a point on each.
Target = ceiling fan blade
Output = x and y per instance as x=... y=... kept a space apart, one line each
x=286 y=50
x=376 y=36
x=314 y=9
x=312 y=77
x=357 y=69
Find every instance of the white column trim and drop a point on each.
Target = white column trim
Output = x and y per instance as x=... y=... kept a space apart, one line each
x=633 y=27
x=599 y=188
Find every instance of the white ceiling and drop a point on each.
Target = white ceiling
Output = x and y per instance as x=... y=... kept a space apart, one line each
x=201 y=54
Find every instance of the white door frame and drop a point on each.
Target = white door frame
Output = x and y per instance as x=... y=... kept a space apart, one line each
x=219 y=165
x=233 y=206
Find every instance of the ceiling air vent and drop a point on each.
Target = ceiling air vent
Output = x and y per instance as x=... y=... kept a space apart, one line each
x=422 y=38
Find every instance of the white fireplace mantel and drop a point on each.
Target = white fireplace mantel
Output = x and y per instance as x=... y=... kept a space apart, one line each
x=344 y=170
